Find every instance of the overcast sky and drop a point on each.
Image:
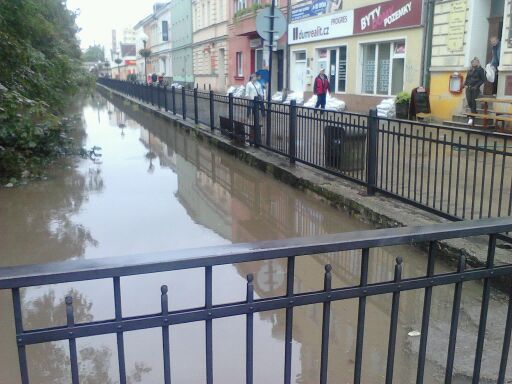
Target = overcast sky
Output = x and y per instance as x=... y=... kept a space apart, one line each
x=98 y=18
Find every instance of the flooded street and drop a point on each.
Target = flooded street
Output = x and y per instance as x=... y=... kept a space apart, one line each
x=155 y=188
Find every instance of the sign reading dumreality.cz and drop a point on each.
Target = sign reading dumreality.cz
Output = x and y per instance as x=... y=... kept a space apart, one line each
x=388 y=15
x=327 y=27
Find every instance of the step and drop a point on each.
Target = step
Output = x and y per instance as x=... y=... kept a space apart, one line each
x=457 y=124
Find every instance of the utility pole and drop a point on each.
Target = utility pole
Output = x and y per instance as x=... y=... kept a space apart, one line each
x=271 y=51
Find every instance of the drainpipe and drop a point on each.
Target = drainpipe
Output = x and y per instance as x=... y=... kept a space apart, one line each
x=427 y=41
x=288 y=64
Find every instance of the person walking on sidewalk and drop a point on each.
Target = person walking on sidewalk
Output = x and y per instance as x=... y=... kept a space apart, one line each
x=253 y=89
x=320 y=89
x=474 y=80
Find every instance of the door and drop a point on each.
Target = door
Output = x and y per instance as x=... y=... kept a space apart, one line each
x=280 y=69
x=298 y=78
x=495 y=29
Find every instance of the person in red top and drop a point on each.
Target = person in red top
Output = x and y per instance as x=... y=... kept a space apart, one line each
x=320 y=89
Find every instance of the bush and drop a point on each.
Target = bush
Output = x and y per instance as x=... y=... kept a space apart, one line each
x=40 y=71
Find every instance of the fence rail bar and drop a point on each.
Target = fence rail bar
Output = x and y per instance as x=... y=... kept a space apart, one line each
x=261 y=305
x=78 y=270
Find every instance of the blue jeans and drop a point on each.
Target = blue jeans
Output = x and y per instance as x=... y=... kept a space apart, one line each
x=320 y=100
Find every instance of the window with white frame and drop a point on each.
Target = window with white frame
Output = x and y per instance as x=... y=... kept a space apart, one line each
x=383 y=67
x=239 y=65
x=239 y=5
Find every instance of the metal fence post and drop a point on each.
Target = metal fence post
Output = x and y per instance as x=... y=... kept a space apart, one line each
x=183 y=104
x=152 y=94
x=196 y=109
x=158 y=90
x=166 y=107
x=230 y=110
x=371 y=154
x=256 y=134
x=212 y=111
x=292 y=131
x=173 y=93
x=269 y=124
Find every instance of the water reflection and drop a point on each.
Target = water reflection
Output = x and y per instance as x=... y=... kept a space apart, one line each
x=160 y=188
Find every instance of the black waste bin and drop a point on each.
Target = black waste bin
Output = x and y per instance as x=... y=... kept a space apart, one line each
x=345 y=147
x=235 y=131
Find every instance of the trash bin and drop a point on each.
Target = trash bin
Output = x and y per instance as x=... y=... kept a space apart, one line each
x=345 y=148
x=235 y=131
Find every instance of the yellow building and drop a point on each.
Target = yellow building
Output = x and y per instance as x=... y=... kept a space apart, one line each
x=370 y=50
x=462 y=30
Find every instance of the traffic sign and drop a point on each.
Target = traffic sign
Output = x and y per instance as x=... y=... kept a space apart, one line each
x=263 y=23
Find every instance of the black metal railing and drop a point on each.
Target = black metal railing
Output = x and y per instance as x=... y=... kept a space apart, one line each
x=117 y=268
x=453 y=172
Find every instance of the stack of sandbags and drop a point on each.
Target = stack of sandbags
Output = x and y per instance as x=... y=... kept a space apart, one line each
x=231 y=89
x=386 y=108
x=237 y=91
x=277 y=97
x=176 y=85
x=334 y=104
x=297 y=96
x=331 y=103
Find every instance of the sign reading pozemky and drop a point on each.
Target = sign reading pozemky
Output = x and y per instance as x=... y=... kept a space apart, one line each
x=335 y=25
x=388 y=15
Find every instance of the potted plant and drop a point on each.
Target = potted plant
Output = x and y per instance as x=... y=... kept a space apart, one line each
x=402 y=105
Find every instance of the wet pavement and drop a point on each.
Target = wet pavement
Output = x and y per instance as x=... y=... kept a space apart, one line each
x=155 y=188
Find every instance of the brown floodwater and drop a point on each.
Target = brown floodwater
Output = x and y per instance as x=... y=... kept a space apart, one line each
x=154 y=188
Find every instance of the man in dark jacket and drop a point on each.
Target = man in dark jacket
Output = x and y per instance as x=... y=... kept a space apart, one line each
x=474 y=80
x=320 y=89
x=495 y=60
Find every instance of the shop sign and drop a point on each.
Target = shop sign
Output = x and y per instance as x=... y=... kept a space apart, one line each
x=335 y=25
x=309 y=9
x=456 y=26
x=387 y=16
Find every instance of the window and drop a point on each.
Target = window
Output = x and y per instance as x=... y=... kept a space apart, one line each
x=383 y=68
x=239 y=5
x=258 y=59
x=342 y=69
x=165 y=30
x=239 y=63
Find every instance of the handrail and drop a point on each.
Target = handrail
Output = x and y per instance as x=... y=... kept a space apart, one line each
x=91 y=269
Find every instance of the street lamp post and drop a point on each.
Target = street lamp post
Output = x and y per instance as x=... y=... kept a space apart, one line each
x=145 y=64
x=118 y=61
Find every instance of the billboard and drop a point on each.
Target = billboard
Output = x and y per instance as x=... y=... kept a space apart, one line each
x=387 y=16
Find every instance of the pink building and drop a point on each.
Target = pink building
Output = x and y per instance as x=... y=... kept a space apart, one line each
x=246 y=53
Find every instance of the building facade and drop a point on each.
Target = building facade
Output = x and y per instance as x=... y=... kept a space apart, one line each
x=210 y=43
x=153 y=33
x=370 y=50
x=247 y=53
x=181 y=41
x=461 y=31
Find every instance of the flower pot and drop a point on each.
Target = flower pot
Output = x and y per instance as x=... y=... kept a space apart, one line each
x=402 y=110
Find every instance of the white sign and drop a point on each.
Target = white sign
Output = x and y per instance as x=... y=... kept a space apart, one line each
x=322 y=28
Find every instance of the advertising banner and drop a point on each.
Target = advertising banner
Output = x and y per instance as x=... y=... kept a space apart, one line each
x=387 y=16
x=327 y=27
x=309 y=9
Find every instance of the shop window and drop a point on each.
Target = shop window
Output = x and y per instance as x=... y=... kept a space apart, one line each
x=300 y=56
x=239 y=5
x=239 y=63
x=383 y=68
x=342 y=69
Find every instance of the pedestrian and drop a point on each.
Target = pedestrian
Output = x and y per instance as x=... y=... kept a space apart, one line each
x=154 y=78
x=320 y=89
x=495 y=60
x=474 y=80
x=252 y=90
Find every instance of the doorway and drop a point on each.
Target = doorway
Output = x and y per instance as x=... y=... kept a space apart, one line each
x=222 y=70
x=495 y=29
x=298 y=78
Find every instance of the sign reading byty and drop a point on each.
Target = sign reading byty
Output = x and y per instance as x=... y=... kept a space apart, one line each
x=331 y=26
x=388 y=15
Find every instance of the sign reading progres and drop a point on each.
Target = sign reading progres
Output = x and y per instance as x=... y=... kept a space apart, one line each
x=388 y=15
x=332 y=26
x=456 y=26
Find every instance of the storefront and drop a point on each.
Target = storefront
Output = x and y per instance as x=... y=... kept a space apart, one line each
x=467 y=26
x=368 y=53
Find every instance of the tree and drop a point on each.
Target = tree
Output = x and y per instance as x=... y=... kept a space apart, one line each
x=118 y=61
x=40 y=69
x=94 y=53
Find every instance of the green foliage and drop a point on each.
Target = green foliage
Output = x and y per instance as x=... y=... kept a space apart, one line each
x=145 y=52
x=252 y=9
x=94 y=53
x=40 y=70
x=118 y=61
x=403 y=98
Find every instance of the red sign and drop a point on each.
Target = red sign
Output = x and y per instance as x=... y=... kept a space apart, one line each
x=130 y=62
x=386 y=16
